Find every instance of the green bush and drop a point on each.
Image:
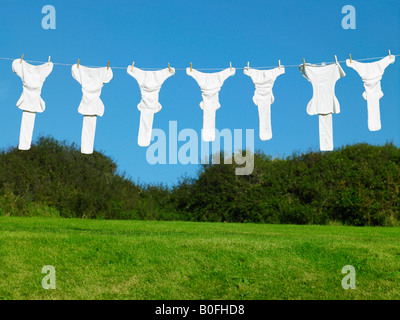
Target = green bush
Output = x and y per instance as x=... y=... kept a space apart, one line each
x=55 y=175
x=355 y=185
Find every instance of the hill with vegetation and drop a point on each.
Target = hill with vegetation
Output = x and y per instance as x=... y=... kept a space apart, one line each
x=355 y=185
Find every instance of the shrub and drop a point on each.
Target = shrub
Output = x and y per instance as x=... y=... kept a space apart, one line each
x=354 y=185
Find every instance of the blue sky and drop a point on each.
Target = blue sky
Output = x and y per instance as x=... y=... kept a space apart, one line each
x=209 y=34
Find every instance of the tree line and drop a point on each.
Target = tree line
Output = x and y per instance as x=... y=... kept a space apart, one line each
x=354 y=185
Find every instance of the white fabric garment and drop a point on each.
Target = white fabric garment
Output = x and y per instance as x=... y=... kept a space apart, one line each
x=30 y=101
x=88 y=132
x=92 y=81
x=25 y=134
x=210 y=84
x=371 y=75
x=150 y=83
x=263 y=97
x=324 y=102
x=32 y=78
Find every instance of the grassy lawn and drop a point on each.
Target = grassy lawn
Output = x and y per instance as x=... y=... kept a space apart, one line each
x=184 y=260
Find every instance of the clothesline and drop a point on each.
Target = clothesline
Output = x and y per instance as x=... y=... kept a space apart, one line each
x=323 y=78
x=203 y=69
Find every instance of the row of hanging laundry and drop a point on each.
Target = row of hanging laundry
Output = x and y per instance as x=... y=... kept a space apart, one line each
x=323 y=103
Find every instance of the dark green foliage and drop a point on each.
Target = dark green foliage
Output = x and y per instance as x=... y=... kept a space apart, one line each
x=58 y=175
x=356 y=185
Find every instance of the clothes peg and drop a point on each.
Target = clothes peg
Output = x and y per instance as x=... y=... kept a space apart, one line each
x=304 y=62
x=230 y=66
x=132 y=65
x=49 y=59
x=350 y=57
x=190 y=67
x=248 y=65
x=77 y=64
x=108 y=65
x=390 y=54
x=279 y=62
x=22 y=58
x=169 y=67
x=336 y=59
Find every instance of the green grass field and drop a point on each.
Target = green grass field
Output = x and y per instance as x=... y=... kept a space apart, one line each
x=97 y=259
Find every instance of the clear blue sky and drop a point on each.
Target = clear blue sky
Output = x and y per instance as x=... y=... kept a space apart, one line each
x=209 y=34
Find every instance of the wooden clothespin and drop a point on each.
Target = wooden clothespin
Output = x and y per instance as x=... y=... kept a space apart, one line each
x=22 y=58
x=304 y=62
x=108 y=65
x=169 y=67
x=49 y=59
x=350 y=57
x=248 y=65
x=77 y=64
x=190 y=67
x=390 y=54
x=132 y=65
x=230 y=66
x=336 y=59
x=279 y=62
